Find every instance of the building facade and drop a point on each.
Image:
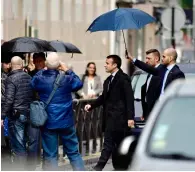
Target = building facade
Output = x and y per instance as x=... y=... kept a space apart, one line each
x=65 y=20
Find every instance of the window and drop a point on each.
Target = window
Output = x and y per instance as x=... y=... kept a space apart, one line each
x=55 y=10
x=173 y=133
x=67 y=10
x=190 y=75
x=79 y=10
x=140 y=82
x=41 y=9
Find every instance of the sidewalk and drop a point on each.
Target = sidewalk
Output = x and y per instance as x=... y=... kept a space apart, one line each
x=89 y=159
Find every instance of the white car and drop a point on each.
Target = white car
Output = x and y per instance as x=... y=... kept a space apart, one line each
x=168 y=139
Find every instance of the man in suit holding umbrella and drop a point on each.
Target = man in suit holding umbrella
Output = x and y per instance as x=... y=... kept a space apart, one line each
x=167 y=72
x=118 y=103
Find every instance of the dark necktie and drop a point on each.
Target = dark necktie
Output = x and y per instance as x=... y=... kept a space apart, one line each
x=109 y=81
x=148 y=76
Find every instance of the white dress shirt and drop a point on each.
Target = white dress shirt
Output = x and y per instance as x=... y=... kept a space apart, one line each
x=91 y=87
x=165 y=78
x=113 y=75
x=149 y=79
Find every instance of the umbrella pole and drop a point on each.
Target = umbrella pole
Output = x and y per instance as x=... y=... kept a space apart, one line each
x=126 y=52
x=72 y=55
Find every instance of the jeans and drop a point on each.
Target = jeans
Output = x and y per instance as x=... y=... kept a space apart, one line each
x=33 y=134
x=70 y=144
x=18 y=142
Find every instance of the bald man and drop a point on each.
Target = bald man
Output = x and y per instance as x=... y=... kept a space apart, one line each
x=60 y=120
x=18 y=96
x=167 y=73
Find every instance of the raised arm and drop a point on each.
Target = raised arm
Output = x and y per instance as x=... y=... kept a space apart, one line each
x=145 y=67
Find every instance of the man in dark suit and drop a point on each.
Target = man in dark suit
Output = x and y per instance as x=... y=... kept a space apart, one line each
x=118 y=104
x=149 y=93
x=167 y=72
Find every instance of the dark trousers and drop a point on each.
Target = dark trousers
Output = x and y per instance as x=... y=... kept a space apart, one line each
x=112 y=140
x=33 y=136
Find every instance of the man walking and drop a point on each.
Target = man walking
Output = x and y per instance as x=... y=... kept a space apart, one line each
x=18 y=96
x=167 y=73
x=60 y=113
x=118 y=104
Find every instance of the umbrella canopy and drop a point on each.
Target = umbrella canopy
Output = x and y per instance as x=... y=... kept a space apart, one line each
x=61 y=46
x=26 y=45
x=120 y=19
x=7 y=56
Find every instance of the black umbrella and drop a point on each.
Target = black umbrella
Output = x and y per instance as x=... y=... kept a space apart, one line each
x=65 y=47
x=26 y=45
x=7 y=56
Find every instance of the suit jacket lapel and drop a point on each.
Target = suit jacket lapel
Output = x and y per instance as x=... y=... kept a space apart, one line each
x=170 y=75
x=115 y=80
x=113 y=83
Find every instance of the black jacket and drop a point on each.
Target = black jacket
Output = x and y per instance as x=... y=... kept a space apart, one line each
x=118 y=102
x=150 y=96
x=3 y=80
x=18 y=93
x=156 y=83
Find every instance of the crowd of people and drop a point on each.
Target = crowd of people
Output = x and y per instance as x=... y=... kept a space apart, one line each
x=21 y=87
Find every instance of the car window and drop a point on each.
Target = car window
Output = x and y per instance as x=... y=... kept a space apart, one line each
x=140 y=82
x=134 y=81
x=190 y=75
x=173 y=132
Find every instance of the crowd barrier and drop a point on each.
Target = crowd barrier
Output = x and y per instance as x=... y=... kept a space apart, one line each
x=88 y=124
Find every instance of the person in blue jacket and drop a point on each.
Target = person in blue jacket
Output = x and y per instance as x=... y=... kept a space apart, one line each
x=60 y=113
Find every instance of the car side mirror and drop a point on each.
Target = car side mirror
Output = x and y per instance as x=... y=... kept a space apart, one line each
x=125 y=153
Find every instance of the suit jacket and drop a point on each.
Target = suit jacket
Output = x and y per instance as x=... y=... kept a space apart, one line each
x=151 y=94
x=97 y=86
x=118 y=102
x=154 y=89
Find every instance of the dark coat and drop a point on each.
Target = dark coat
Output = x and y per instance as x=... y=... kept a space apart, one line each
x=3 y=80
x=18 y=92
x=151 y=95
x=118 y=103
x=156 y=83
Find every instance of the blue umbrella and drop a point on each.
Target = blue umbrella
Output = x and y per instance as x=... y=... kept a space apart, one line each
x=120 y=19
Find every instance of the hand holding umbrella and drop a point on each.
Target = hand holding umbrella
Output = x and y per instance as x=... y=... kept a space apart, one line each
x=120 y=19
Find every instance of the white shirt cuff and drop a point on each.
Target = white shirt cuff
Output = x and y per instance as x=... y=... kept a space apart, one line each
x=134 y=59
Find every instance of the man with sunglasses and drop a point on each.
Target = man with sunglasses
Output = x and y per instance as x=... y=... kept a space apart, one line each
x=169 y=71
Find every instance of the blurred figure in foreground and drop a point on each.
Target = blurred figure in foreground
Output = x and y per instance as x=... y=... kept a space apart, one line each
x=60 y=113
x=92 y=86
x=5 y=150
x=18 y=96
